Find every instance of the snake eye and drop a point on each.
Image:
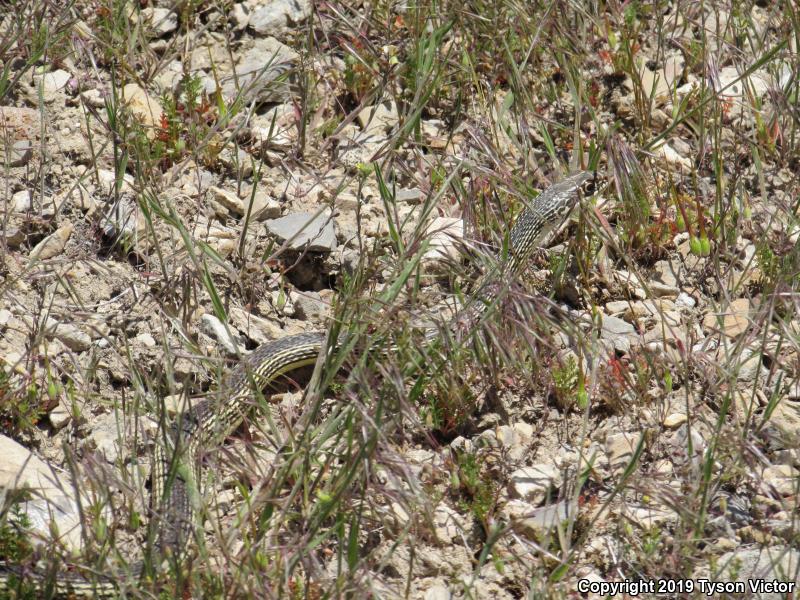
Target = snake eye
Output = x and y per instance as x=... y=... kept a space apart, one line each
x=589 y=187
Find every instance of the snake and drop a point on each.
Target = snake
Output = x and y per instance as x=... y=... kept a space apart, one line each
x=176 y=469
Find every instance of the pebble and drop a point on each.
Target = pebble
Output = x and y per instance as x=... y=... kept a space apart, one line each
x=305 y=230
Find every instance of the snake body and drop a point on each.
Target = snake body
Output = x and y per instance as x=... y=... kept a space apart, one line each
x=177 y=462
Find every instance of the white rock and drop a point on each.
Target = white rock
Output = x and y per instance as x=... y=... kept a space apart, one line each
x=160 y=21
x=444 y=234
x=279 y=16
x=52 y=83
x=534 y=483
x=53 y=244
x=212 y=326
x=51 y=493
x=684 y=300
x=305 y=230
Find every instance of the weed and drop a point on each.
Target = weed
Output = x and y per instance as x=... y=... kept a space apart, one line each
x=477 y=490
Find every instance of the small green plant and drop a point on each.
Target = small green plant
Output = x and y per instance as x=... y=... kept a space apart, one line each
x=478 y=492
x=20 y=406
x=565 y=381
x=15 y=545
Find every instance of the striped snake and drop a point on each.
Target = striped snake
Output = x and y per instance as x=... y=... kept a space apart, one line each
x=176 y=470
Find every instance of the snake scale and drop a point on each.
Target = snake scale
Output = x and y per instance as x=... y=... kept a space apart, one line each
x=176 y=470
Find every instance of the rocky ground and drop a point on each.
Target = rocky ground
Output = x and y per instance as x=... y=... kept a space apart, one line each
x=184 y=182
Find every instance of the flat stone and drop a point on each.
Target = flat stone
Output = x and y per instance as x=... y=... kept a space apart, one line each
x=444 y=233
x=160 y=21
x=684 y=300
x=53 y=244
x=59 y=416
x=781 y=563
x=448 y=524
x=735 y=319
x=310 y=305
x=535 y=523
x=648 y=517
x=212 y=326
x=51 y=502
x=143 y=107
x=22 y=201
x=619 y=332
x=52 y=83
x=781 y=478
x=675 y=420
x=72 y=337
x=619 y=449
x=279 y=16
x=534 y=483
x=305 y=231
x=379 y=119
x=18 y=153
x=618 y=307
x=257 y=69
x=438 y=591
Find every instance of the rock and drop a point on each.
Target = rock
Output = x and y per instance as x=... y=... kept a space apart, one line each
x=535 y=483
x=124 y=220
x=444 y=233
x=673 y=159
x=59 y=416
x=310 y=305
x=305 y=231
x=51 y=502
x=146 y=340
x=536 y=523
x=237 y=161
x=22 y=128
x=618 y=307
x=748 y=362
x=684 y=300
x=776 y=563
x=18 y=153
x=648 y=517
x=731 y=85
x=409 y=196
x=781 y=478
x=52 y=84
x=12 y=236
x=145 y=109
x=213 y=327
x=22 y=201
x=620 y=333
x=659 y=84
x=257 y=70
x=5 y=317
x=735 y=320
x=378 y=120
x=256 y=328
x=263 y=206
x=675 y=420
x=356 y=148
x=72 y=337
x=275 y=17
x=448 y=524
x=438 y=591
x=619 y=449
x=509 y=438
x=159 y=21
x=240 y=13
x=53 y=244
x=276 y=128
